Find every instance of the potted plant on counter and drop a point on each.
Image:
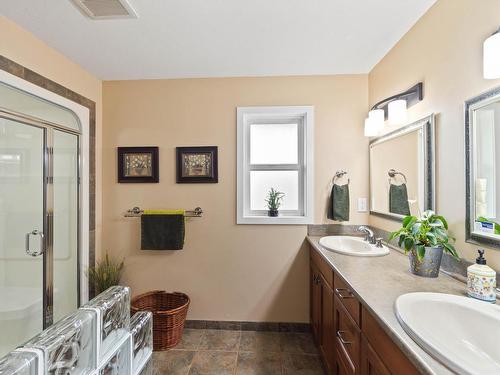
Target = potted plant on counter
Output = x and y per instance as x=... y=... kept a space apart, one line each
x=273 y=200
x=425 y=239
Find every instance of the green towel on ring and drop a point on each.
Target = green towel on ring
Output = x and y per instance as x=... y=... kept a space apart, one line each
x=398 y=200
x=338 y=209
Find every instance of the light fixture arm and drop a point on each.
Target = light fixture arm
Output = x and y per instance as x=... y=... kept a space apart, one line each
x=413 y=95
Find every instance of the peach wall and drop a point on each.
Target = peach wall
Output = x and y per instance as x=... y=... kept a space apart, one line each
x=24 y=48
x=444 y=50
x=232 y=272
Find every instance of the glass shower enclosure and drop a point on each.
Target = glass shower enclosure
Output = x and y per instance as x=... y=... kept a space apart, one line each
x=39 y=215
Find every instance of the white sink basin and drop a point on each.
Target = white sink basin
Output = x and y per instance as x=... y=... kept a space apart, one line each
x=352 y=246
x=462 y=333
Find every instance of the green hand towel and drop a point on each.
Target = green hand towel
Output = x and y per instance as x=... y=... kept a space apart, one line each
x=161 y=231
x=398 y=200
x=339 y=203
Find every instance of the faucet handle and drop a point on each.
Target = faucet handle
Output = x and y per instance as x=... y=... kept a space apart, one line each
x=378 y=242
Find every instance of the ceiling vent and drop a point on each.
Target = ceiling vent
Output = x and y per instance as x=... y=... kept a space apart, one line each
x=106 y=9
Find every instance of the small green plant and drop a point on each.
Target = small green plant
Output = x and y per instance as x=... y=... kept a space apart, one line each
x=430 y=230
x=105 y=273
x=274 y=198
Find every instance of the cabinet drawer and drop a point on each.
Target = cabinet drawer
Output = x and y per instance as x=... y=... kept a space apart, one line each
x=323 y=267
x=389 y=353
x=347 y=298
x=347 y=338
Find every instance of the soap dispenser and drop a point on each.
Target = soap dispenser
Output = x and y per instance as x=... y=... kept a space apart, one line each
x=481 y=280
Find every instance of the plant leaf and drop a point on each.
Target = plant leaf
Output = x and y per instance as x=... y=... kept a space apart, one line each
x=420 y=252
x=443 y=220
x=451 y=249
x=408 y=243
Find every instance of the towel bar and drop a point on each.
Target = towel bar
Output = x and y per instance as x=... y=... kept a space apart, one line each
x=137 y=212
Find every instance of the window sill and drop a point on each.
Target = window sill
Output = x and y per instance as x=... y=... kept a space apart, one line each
x=280 y=220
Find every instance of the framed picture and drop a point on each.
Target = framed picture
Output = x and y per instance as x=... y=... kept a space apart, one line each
x=197 y=165
x=138 y=164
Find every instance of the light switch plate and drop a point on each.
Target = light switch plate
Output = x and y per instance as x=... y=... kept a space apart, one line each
x=362 y=204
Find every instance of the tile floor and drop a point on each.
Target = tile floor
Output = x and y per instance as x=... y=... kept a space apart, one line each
x=221 y=352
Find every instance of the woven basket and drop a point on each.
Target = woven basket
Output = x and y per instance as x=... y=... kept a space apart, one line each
x=169 y=314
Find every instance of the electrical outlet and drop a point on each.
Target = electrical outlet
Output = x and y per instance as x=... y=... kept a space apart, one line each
x=362 y=204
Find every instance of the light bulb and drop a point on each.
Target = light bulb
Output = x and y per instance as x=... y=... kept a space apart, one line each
x=370 y=129
x=377 y=118
x=397 y=112
x=491 y=57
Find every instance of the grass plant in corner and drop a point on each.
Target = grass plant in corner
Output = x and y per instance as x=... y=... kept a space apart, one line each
x=106 y=273
x=425 y=238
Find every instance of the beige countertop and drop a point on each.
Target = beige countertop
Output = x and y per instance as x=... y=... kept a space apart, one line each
x=378 y=282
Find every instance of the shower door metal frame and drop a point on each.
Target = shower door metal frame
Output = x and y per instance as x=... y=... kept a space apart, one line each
x=48 y=129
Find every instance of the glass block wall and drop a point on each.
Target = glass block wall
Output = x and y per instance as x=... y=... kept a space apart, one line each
x=98 y=339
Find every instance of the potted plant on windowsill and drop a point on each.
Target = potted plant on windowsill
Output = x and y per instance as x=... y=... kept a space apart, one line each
x=273 y=200
x=425 y=239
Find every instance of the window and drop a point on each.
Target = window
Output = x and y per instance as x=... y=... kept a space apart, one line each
x=275 y=149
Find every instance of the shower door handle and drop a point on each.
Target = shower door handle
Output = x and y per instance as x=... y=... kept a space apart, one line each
x=35 y=232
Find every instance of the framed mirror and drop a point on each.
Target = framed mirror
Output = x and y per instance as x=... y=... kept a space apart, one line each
x=402 y=171
x=482 y=134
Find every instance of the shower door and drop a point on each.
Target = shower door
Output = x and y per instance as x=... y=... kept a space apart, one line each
x=39 y=222
x=22 y=232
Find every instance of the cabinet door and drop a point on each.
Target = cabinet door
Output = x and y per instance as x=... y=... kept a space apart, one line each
x=316 y=303
x=327 y=327
x=371 y=364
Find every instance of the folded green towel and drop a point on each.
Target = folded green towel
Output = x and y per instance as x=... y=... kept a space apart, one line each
x=398 y=200
x=162 y=231
x=338 y=209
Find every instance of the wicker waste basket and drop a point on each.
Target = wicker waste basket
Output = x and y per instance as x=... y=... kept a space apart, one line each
x=169 y=314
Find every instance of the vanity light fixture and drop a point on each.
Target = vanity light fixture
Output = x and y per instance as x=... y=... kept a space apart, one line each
x=397 y=112
x=374 y=122
x=491 y=56
x=377 y=118
x=370 y=129
x=392 y=108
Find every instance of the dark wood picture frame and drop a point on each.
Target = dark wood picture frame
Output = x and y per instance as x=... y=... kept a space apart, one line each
x=210 y=175
x=152 y=177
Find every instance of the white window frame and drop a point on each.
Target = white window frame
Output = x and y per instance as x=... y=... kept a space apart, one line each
x=304 y=117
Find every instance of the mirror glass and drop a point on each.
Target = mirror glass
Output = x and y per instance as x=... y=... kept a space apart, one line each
x=401 y=171
x=483 y=134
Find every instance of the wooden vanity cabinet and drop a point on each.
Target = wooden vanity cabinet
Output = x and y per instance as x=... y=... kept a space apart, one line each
x=322 y=310
x=349 y=338
x=327 y=346
x=315 y=310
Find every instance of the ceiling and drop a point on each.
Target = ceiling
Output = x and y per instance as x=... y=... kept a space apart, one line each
x=223 y=38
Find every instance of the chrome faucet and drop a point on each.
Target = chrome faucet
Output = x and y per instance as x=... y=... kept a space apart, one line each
x=370 y=236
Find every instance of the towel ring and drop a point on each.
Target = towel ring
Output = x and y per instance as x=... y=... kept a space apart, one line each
x=392 y=174
x=340 y=174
